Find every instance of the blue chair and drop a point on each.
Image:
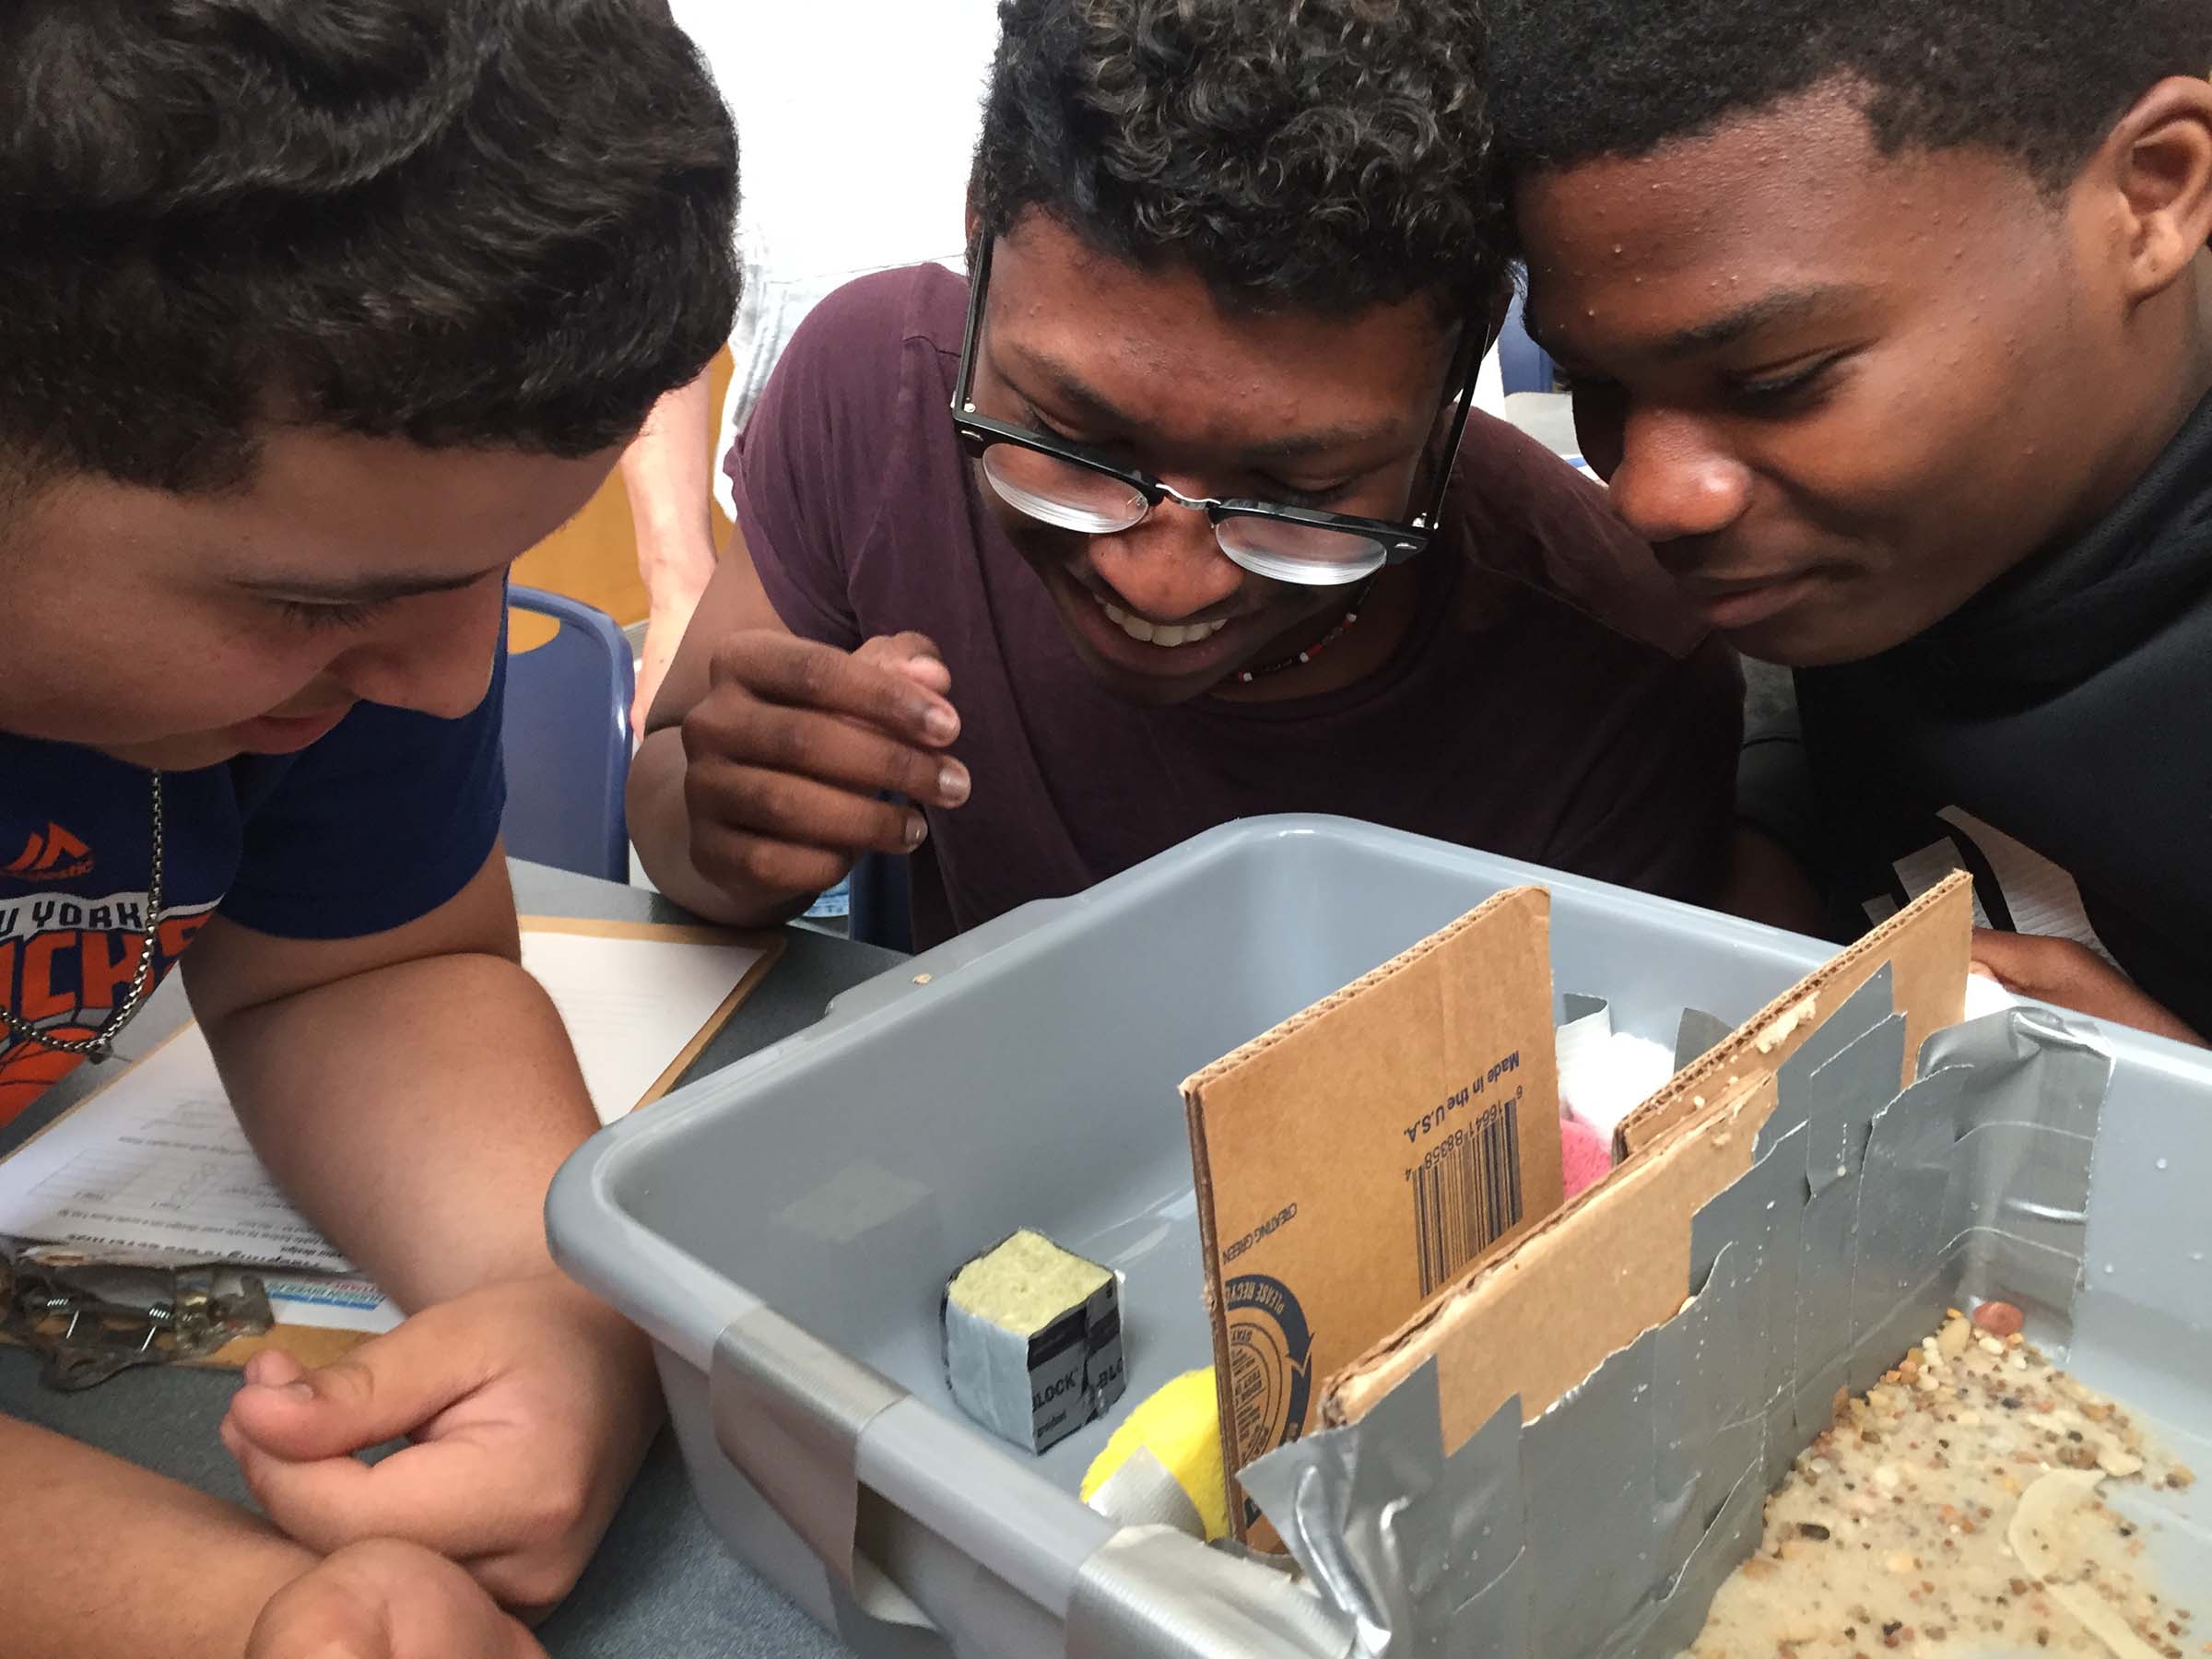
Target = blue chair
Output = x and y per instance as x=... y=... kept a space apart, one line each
x=567 y=738
x=1525 y=365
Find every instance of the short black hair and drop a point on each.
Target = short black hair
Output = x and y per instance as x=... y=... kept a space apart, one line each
x=1321 y=155
x=489 y=223
x=2041 y=80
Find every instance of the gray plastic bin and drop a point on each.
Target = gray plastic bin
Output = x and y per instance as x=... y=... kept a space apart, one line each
x=836 y=1178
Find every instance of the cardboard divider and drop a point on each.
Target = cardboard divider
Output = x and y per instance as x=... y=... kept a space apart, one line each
x=1925 y=945
x=1365 y=1153
x=1538 y=1318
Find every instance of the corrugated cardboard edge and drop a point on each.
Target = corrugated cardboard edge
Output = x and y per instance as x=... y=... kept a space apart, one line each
x=1397 y=964
x=1927 y=945
x=1631 y=1231
x=1193 y=1113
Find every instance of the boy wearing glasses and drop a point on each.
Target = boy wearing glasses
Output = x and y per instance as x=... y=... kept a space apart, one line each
x=1176 y=513
x=1892 y=327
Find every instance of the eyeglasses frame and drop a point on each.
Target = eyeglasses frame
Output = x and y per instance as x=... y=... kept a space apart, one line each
x=1399 y=540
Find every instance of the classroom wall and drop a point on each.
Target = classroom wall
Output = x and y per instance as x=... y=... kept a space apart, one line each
x=594 y=556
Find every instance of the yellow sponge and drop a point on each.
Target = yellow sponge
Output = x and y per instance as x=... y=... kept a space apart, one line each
x=1180 y=1425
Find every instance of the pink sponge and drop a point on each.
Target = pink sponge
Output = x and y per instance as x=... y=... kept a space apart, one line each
x=1584 y=1158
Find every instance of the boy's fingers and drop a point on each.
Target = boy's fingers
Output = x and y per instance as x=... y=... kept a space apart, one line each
x=800 y=674
x=455 y=1495
x=382 y=1390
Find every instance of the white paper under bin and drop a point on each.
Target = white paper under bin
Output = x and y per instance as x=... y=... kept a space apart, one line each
x=783 y=1230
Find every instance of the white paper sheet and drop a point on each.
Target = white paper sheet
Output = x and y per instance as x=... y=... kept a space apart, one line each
x=631 y=1005
x=156 y=1162
x=157 y=1159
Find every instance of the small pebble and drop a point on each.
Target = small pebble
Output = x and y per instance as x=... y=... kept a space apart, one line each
x=1998 y=1319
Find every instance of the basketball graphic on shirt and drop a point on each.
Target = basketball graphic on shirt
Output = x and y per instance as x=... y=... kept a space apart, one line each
x=27 y=1069
x=66 y=964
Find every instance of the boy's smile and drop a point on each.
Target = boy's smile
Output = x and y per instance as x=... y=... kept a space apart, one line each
x=1281 y=406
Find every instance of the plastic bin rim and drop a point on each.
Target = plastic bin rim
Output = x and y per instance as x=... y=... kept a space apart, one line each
x=685 y=1304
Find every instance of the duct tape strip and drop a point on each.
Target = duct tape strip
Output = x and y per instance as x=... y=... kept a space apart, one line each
x=1862 y=1011
x=789 y=1411
x=2019 y=1193
x=1419 y=1548
x=1150 y=1591
x=1839 y=1103
x=1606 y=1526
x=1708 y=1407
x=1587 y=1467
x=1698 y=1034
x=1904 y=1274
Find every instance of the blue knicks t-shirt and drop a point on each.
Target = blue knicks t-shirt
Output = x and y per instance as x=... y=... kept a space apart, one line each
x=377 y=824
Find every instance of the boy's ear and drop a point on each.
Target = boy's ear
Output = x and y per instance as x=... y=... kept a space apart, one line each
x=2159 y=158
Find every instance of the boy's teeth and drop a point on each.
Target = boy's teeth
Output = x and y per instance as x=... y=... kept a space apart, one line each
x=1167 y=634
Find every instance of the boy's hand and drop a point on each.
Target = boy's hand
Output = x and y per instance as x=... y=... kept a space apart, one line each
x=530 y=1406
x=2072 y=976
x=386 y=1600
x=792 y=743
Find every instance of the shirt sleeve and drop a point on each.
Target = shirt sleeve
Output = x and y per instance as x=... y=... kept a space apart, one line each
x=377 y=825
x=807 y=472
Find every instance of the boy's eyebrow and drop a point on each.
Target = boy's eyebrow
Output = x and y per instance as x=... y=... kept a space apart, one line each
x=1781 y=306
x=367 y=590
x=1068 y=388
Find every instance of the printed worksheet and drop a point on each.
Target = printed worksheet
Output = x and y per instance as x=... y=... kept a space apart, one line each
x=156 y=1160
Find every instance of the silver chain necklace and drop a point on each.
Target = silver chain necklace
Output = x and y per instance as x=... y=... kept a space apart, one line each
x=101 y=1043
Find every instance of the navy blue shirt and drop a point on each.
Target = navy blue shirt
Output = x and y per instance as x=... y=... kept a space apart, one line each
x=377 y=824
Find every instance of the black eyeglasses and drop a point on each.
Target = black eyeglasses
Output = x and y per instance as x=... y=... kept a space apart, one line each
x=1071 y=488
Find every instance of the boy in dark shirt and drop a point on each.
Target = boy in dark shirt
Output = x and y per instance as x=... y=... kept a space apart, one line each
x=1892 y=325
x=311 y=319
x=1152 y=517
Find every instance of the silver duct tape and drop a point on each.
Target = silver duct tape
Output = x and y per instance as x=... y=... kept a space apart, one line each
x=1860 y=1011
x=1606 y=1526
x=1587 y=1466
x=1500 y=1623
x=1152 y=1591
x=1698 y=1034
x=1768 y=1203
x=1576 y=1007
x=1388 y=1528
x=789 y=1411
x=1707 y=1406
x=1839 y=1103
x=1144 y=1492
x=1670 y=1625
x=1905 y=1273
x=2017 y=1200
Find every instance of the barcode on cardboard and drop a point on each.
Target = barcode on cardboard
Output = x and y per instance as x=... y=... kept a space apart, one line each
x=1466 y=1194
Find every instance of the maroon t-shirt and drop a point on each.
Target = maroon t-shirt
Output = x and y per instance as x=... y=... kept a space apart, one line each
x=1509 y=720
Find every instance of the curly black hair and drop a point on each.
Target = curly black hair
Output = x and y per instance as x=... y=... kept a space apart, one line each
x=1323 y=154
x=2042 y=80
x=495 y=223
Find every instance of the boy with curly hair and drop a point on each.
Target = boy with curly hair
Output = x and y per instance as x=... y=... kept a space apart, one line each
x=1173 y=514
x=1892 y=325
